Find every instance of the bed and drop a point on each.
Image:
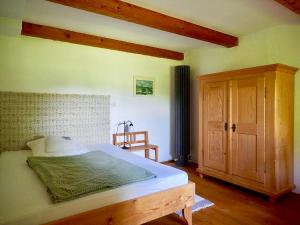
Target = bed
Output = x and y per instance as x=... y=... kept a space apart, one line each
x=24 y=199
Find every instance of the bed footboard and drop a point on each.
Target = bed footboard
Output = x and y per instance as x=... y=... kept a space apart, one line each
x=140 y=210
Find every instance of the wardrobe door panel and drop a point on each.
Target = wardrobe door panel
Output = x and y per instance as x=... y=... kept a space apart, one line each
x=214 y=122
x=247 y=101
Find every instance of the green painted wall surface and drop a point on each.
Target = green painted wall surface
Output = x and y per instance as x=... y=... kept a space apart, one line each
x=11 y=27
x=274 y=45
x=37 y=65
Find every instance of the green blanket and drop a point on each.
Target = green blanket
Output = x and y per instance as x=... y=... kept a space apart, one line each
x=70 y=177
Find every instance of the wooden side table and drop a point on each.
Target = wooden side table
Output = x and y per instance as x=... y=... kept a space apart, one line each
x=136 y=141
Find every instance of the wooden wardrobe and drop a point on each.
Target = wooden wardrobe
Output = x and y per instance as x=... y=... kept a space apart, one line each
x=246 y=127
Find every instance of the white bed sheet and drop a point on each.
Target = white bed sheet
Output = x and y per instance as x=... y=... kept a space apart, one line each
x=25 y=201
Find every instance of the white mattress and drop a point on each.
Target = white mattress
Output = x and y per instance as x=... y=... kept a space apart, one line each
x=24 y=199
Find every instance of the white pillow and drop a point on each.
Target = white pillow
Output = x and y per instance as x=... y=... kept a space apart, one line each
x=38 y=147
x=61 y=146
x=56 y=146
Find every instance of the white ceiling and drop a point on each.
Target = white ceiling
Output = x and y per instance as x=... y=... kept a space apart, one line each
x=235 y=17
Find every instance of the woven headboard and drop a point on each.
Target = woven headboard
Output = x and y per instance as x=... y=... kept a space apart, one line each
x=25 y=116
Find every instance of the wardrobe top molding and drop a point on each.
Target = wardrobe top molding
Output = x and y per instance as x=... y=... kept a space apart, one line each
x=249 y=71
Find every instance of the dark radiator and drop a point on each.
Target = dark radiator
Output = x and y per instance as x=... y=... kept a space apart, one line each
x=182 y=128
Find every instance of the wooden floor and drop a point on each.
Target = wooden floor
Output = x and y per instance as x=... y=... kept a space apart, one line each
x=237 y=206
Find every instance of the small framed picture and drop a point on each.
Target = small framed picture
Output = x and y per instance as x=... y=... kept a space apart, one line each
x=144 y=86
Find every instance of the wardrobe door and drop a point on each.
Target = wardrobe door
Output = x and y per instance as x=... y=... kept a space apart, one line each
x=215 y=125
x=247 y=132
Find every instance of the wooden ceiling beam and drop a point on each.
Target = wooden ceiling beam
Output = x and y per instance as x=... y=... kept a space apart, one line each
x=293 y=5
x=35 y=30
x=135 y=14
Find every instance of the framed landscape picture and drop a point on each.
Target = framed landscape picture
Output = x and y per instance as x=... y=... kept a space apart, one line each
x=144 y=86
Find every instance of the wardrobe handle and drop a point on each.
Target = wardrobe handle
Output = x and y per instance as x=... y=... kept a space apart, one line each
x=226 y=126
x=233 y=127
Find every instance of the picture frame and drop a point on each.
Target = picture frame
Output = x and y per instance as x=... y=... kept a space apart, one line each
x=144 y=86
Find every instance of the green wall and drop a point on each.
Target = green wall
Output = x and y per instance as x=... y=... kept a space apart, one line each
x=38 y=65
x=274 y=45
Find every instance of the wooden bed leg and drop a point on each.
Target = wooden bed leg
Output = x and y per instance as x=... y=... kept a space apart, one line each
x=156 y=154
x=187 y=215
x=147 y=153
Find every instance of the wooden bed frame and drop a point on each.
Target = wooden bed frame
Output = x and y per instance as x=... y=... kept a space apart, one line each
x=140 y=210
x=62 y=116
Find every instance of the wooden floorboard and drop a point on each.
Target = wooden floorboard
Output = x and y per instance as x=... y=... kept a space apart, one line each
x=237 y=206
